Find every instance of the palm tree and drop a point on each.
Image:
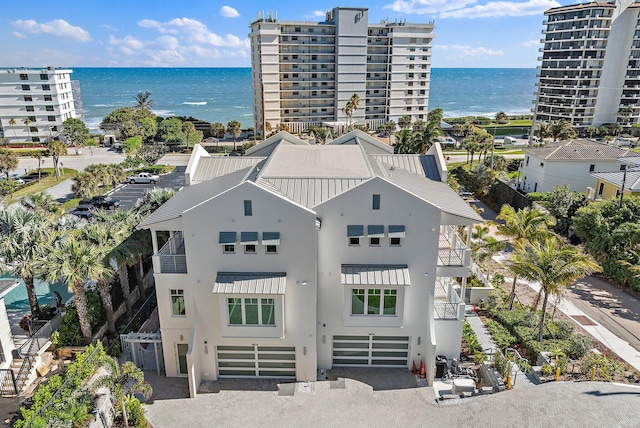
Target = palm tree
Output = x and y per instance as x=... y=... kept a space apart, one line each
x=56 y=149
x=23 y=234
x=74 y=261
x=501 y=117
x=562 y=130
x=553 y=264
x=84 y=185
x=431 y=132
x=234 y=128
x=122 y=379
x=41 y=203
x=27 y=122
x=592 y=130
x=404 y=122
x=12 y=123
x=520 y=227
x=144 y=101
x=351 y=107
x=104 y=237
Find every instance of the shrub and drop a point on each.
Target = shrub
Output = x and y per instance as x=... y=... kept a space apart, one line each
x=561 y=330
x=471 y=339
x=501 y=335
x=546 y=369
x=501 y=364
x=135 y=412
x=606 y=369
x=497 y=280
x=579 y=345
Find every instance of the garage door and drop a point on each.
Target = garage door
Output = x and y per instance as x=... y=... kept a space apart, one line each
x=364 y=351
x=257 y=361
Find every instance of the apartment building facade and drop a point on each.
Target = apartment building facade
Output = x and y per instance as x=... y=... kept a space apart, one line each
x=589 y=72
x=304 y=73
x=34 y=103
x=299 y=257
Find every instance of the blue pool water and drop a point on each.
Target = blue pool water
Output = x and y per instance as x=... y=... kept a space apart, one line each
x=17 y=301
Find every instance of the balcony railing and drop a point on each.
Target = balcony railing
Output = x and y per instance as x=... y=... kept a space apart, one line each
x=171 y=255
x=447 y=298
x=451 y=247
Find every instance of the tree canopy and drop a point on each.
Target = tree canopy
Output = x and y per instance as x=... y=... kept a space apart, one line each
x=76 y=131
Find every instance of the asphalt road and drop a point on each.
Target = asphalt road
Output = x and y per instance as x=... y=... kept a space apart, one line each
x=130 y=193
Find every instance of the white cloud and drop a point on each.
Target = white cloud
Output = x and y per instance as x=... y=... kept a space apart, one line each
x=315 y=14
x=162 y=51
x=467 y=50
x=530 y=43
x=229 y=12
x=57 y=27
x=18 y=35
x=470 y=8
x=194 y=31
x=427 y=7
x=502 y=8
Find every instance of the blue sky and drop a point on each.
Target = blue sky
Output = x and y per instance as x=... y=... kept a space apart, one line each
x=197 y=33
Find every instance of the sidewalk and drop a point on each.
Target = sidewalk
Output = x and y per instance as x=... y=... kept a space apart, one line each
x=591 y=326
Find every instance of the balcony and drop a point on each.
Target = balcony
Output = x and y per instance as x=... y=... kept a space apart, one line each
x=171 y=256
x=447 y=298
x=452 y=250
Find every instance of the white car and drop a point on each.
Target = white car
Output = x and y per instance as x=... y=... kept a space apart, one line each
x=144 y=178
x=13 y=177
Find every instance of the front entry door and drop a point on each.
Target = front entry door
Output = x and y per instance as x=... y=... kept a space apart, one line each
x=183 y=348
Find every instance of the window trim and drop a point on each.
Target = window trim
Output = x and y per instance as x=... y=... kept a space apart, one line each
x=376 y=202
x=229 y=248
x=260 y=302
x=248 y=208
x=381 y=293
x=177 y=294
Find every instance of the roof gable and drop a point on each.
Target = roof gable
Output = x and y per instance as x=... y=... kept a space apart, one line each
x=266 y=147
x=577 y=150
x=369 y=144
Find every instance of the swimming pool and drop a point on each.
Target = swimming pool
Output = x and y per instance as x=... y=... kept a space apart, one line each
x=17 y=300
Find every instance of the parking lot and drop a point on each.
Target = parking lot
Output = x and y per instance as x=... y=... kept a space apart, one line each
x=128 y=194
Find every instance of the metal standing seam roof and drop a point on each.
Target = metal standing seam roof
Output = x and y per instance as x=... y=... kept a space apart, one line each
x=250 y=283
x=216 y=166
x=374 y=275
x=424 y=165
x=434 y=192
x=577 y=150
x=310 y=192
x=193 y=195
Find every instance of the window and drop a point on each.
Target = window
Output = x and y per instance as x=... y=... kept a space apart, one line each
x=618 y=193
x=51 y=118
x=229 y=249
x=251 y=311
x=26 y=87
x=33 y=129
x=373 y=301
x=394 y=242
x=177 y=303
x=44 y=77
x=29 y=108
x=376 y=202
x=600 y=190
x=46 y=87
x=48 y=98
x=623 y=167
x=271 y=249
x=527 y=161
x=24 y=77
x=271 y=240
x=49 y=108
x=250 y=249
x=354 y=233
x=374 y=242
x=248 y=209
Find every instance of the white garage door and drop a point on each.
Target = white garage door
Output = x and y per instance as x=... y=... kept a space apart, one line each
x=364 y=351
x=257 y=361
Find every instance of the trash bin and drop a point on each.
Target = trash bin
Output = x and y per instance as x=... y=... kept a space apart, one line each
x=441 y=368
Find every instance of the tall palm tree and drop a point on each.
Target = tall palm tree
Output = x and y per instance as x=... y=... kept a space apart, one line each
x=520 y=227
x=74 y=262
x=104 y=238
x=143 y=101
x=56 y=149
x=234 y=128
x=430 y=133
x=121 y=379
x=27 y=122
x=23 y=234
x=13 y=123
x=553 y=264
x=350 y=108
x=562 y=130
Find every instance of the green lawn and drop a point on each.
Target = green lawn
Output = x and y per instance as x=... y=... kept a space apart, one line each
x=44 y=184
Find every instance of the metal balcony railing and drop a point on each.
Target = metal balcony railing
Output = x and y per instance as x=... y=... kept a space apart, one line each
x=172 y=256
x=451 y=247
x=447 y=298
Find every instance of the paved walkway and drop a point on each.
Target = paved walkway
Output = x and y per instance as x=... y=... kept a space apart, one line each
x=356 y=404
x=591 y=326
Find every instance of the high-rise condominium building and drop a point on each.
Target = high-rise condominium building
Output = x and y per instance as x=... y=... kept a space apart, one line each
x=34 y=103
x=590 y=65
x=304 y=73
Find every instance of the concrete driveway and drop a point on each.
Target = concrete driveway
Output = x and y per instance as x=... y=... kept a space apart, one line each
x=357 y=404
x=130 y=193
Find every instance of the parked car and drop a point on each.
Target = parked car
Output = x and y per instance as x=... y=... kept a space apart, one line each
x=84 y=210
x=143 y=177
x=13 y=177
x=105 y=203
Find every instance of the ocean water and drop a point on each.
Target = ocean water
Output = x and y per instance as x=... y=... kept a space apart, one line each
x=224 y=94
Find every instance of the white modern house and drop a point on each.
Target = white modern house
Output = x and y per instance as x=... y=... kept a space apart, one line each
x=305 y=72
x=589 y=65
x=34 y=103
x=569 y=162
x=301 y=257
